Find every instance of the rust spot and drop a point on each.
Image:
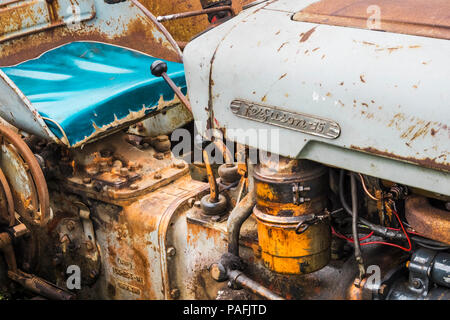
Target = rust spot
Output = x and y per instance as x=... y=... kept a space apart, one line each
x=284 y=75
x=284 y=43
x=361 y=77
x=426 y=162
x=305 y=36
x=415 y=17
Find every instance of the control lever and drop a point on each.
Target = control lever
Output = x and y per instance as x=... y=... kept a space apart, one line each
x=159 y=69
x=214 y=203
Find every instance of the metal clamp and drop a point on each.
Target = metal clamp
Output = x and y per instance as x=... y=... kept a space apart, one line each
x=310 y=219
x=297 y=199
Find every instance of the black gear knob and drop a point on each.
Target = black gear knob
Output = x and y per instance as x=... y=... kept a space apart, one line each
x=158 y=68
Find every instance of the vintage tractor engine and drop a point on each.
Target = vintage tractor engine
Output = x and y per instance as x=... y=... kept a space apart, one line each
x=290 y=151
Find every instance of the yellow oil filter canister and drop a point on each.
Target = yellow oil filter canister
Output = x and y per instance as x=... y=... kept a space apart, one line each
x=292 y=194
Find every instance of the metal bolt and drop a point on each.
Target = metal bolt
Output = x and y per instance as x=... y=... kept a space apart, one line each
x=175 y=293
x=218 y=272
x=123 y=171
x=89 y=245
x=171 y=251
x=197 y=204
x=70 y=225
x=447 y=206
x=134 y=186
x=215 y=218
x=132 y=166
x=87 y=180
x=191 y=202
x=180 y=165
x=159 y=156
x=417 y=284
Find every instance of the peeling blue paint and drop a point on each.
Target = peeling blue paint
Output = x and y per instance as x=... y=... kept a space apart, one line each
x=85 y=83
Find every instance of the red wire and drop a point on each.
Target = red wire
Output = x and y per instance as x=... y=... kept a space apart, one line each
x=350 y=239
x=393 y=244
x=379 y=242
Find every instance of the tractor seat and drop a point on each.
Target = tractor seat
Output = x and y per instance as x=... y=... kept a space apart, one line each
x=89 y=88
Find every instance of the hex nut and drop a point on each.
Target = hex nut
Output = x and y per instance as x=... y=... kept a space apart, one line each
x=218 y=272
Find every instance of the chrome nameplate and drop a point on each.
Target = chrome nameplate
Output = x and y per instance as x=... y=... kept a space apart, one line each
x=286 y=119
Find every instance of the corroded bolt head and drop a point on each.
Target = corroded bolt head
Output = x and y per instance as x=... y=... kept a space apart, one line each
x=89 y=245
x=157 y=176
x=70 y=225
x=417 y=283
x=87 y=180
x=197 y=204
x=218 y=272
x=180 y=165
x=171 y=251
x=134 y=186
x=159 y=155
x=123 y=171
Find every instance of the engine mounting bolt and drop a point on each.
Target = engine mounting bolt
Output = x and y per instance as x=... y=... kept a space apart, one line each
x=117 y=164
x=417 y=284
x=180 y=165
x=70 y=225
x=157 y=176
x=87 y=180
x=123 y=171
x=218 y=272
x=197 y=204
x=171 y=251
x=132 y=165
x=159 y=156
x=175 y=293
x=89 y=245
x=134 y=186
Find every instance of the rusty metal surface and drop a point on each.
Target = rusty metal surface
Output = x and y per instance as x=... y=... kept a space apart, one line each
x=415 y=17
x=122 y=24
x=6 y=202
x=432 y=222
x=183 y=30
x=25 y=178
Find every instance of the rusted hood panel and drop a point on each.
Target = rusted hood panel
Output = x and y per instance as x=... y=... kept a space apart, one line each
x=415 y=17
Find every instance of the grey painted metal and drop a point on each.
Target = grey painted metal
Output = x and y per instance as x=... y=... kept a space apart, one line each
x=388 y=92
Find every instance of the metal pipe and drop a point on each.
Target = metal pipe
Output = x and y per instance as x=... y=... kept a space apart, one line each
x=240 y=213
x=213 y=193
x=241 y=279
x=195 y=13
